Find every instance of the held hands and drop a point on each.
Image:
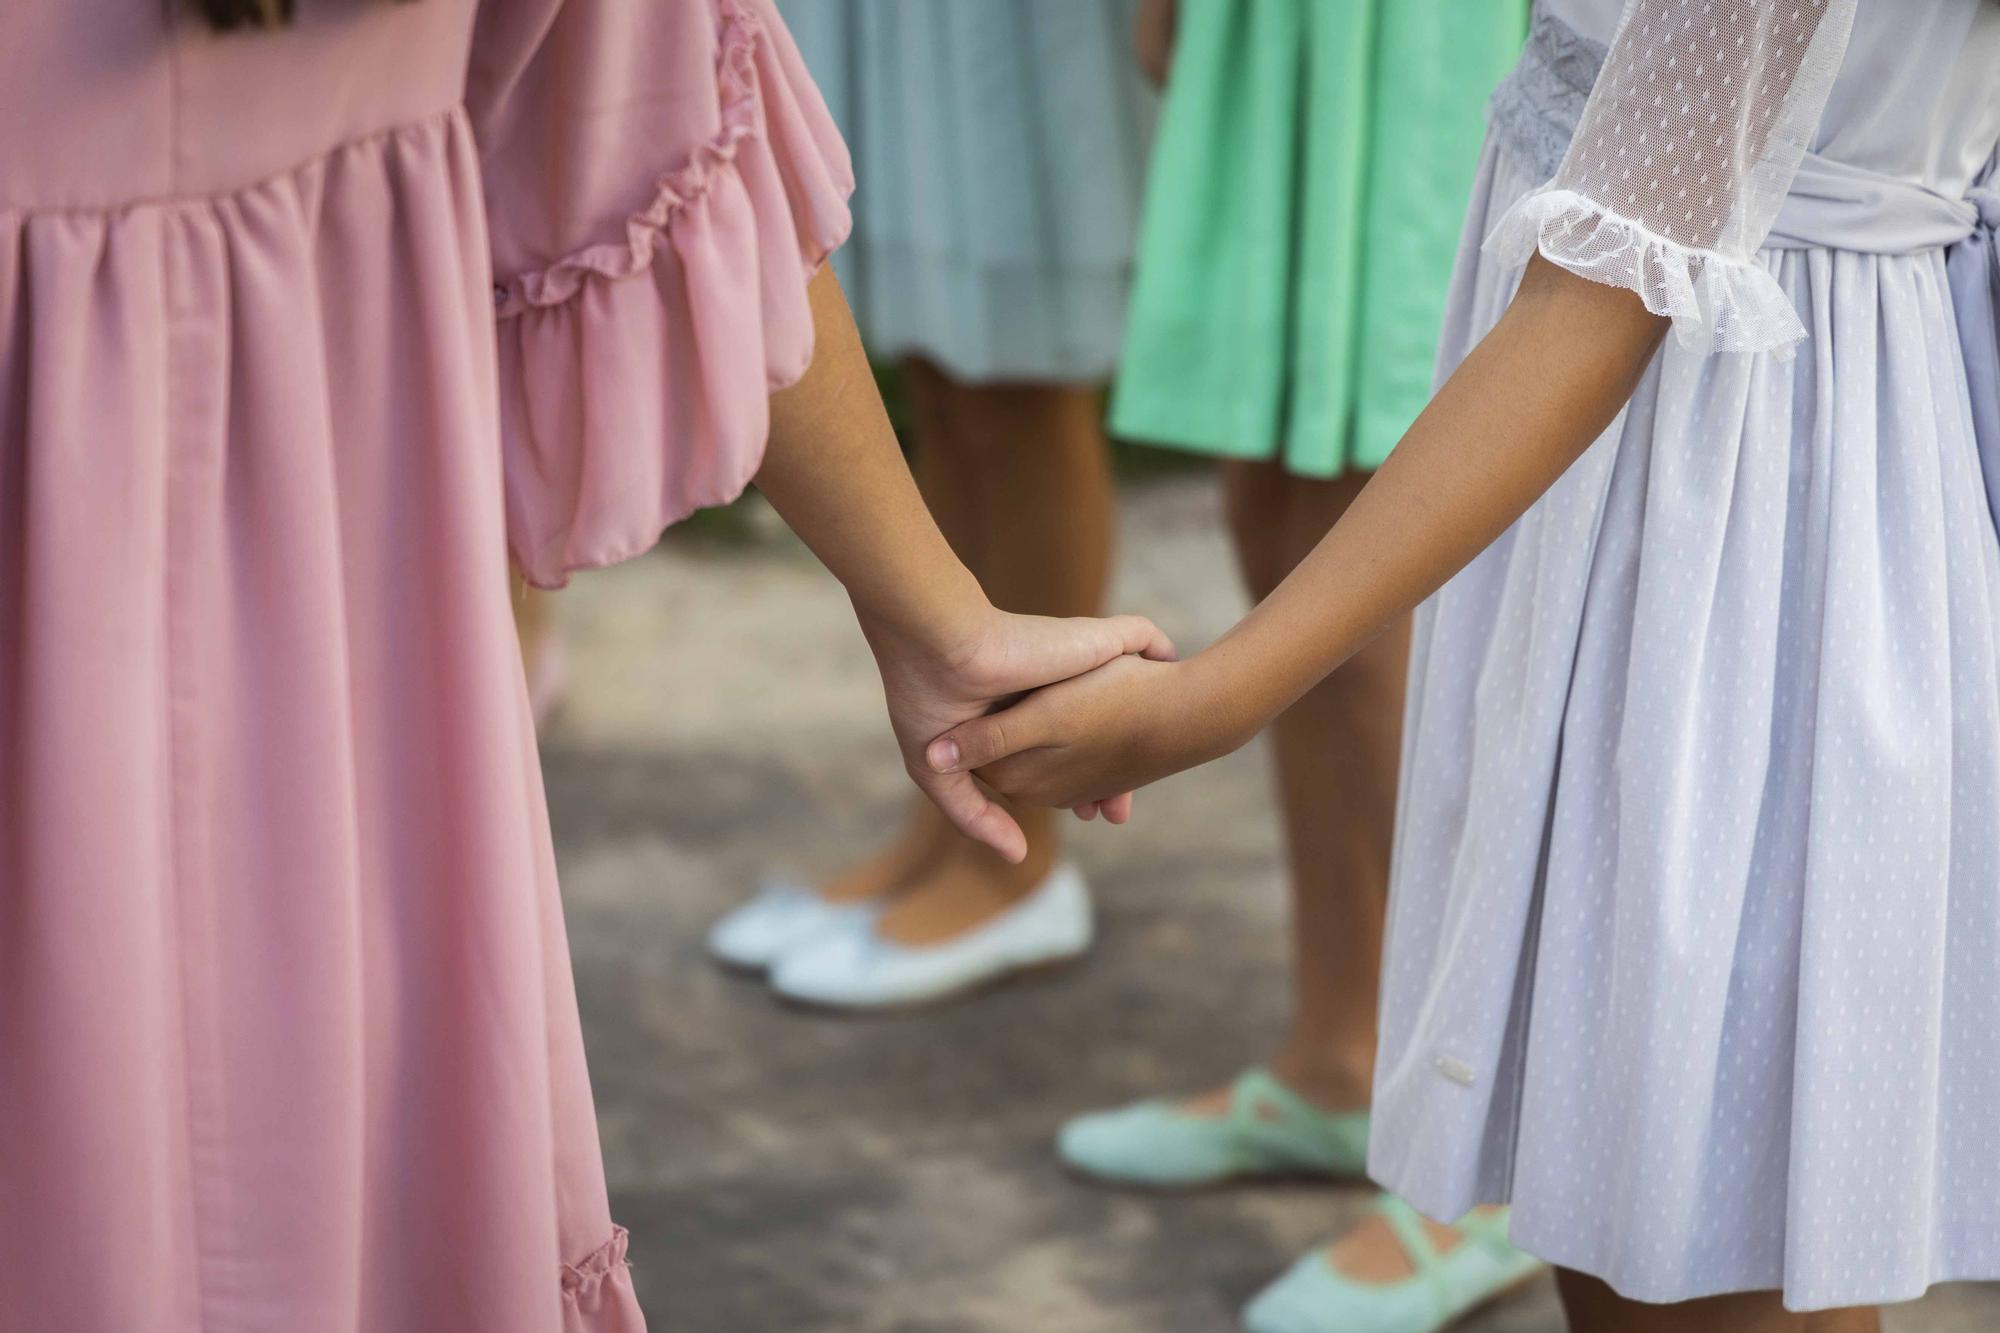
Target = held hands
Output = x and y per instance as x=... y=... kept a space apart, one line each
x=935 y=682
x=1130 y=722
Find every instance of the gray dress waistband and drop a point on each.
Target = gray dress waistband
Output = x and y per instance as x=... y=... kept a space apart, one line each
x=1834 y=206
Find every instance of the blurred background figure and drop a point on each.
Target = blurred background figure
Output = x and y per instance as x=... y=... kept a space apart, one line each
x=1301 y=220
x=1000 y=148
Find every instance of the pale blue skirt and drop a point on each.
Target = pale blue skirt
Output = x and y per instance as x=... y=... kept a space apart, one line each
x=1000 y=149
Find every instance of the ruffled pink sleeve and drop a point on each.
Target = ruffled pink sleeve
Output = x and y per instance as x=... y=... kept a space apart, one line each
x=662 y=180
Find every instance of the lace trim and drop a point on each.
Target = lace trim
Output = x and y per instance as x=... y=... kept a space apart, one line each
x=1717 y=304
x=679 y=190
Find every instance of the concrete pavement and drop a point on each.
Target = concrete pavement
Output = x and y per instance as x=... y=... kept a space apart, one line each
x=785 y=1172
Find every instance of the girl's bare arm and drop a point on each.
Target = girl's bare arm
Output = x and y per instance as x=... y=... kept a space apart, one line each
x=834 y=471
x=1537 y=390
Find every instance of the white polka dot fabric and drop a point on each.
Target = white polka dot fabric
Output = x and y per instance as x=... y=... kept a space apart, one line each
x=1694 y=950
x=1683 y=157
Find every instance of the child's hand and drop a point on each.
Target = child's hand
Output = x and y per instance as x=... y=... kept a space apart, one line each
x=948 y=675
x=1153 y=38
x=1082 y=742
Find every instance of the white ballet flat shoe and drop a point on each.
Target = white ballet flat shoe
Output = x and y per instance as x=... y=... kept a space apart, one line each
x=858 y=969
x=782 y=917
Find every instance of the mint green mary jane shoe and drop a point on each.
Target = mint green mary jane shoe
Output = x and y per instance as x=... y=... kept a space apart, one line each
x=1269 y=1130
x=1315 y=1298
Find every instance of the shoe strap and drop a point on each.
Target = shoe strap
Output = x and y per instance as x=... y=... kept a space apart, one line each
x=1488 y=1229
x=1410 y=1232
x=1428 y=1267
x=1257 y=1092
x=1267 y=1117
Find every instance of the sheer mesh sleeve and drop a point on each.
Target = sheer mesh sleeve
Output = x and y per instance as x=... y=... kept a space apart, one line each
x=1682 y=160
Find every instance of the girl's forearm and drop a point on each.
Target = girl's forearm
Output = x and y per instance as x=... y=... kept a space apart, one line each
x=1531 y=397
x=834 y=472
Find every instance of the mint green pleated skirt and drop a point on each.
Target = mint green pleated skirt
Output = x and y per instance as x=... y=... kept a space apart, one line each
x=1306 y=194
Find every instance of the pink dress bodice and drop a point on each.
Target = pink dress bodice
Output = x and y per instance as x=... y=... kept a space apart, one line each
x=105 y=104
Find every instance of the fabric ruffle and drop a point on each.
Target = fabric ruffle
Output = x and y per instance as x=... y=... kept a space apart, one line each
x=1717 y=304
x=636 y=375
x=597 y=1293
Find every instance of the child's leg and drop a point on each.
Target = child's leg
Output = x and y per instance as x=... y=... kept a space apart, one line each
x=1019 y=479
x=925 y=834
x=1336 y=752
x=541 y=648
x=1594 y=1307
x=531 y=616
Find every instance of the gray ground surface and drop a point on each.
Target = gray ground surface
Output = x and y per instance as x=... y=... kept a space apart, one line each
x=789 y=1173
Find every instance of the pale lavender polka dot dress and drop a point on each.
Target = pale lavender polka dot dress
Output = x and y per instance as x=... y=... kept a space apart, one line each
x=1694 y=952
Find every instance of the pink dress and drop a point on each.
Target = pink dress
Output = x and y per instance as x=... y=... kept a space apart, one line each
x=287 y=1036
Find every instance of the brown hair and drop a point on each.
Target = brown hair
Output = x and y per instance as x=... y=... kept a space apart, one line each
x=227 y=14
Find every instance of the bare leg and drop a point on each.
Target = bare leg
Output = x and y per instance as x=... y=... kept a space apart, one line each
x=1019 y=479
x=925 y=834
x=531 y=617
x=1336 y=753
x=541 y=647
x=1594 y=1307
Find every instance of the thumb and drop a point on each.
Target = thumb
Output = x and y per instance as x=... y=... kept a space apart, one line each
x=985 y=740
x=1071 y=647
x=974 y=813
x=1137 y=634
